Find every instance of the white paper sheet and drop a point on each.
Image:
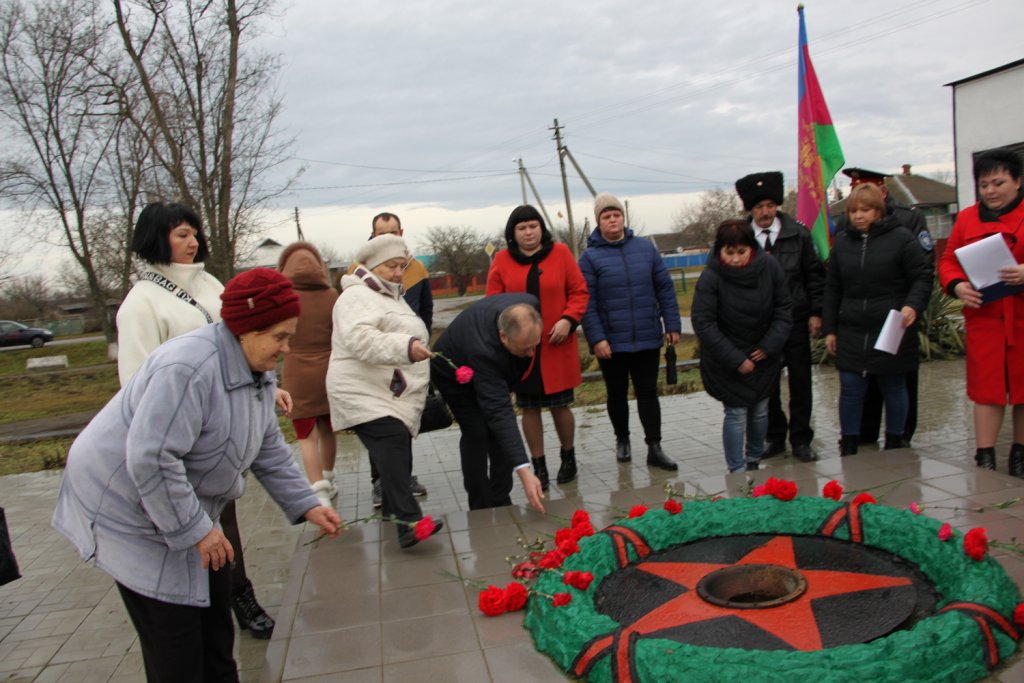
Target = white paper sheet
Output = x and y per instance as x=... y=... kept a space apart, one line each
x=982 y=260
x=891 y=336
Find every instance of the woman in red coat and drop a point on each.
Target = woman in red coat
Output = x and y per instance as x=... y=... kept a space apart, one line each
x=995 y=329
x=536 y=264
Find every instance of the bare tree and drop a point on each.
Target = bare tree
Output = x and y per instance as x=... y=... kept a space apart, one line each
x=206 y=112
x=698 y=223
x=27 y=297
x=458 y=251
x=59 y=121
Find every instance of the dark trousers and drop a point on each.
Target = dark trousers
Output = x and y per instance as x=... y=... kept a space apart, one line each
x=229 y=525
x=184 y=643
x=871 y=419
x=642 y=368
x=486 y=471
x=796 y=356
x=390 y=446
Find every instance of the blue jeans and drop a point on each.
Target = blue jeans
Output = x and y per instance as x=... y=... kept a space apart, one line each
x=738 y=419
x=852 y=388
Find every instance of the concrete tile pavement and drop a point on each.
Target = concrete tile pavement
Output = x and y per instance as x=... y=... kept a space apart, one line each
x=362 y=610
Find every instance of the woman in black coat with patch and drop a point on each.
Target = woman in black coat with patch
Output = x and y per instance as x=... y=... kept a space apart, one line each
x=742 y=315
x=875 y=266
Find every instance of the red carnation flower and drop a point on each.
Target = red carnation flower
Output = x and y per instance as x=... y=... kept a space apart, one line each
x=491 y=601
x=552 y=559
x=717 y=498
x=1018 y=615
x=560 y=599
x=976 y=544
x=758 y=491
x=784 y=489
x=564 y=535
x=673 y=506
x=568 y=547
x=638 y=510
x=579 y=580
x=525 y=570
x=424 y=528
x=833 y=490
x=945 y=532
x=864 y=499
x=580 y=517
x=582 y=530
x=464 y=374
x=515 y=597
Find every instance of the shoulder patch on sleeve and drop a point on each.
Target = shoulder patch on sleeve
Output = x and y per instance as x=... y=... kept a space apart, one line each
x=924 y=238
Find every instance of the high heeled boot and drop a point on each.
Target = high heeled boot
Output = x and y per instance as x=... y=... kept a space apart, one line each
x=985 y=458
x=567 y=470
x=249 y=613
x=1017 y=460
x=540 y=468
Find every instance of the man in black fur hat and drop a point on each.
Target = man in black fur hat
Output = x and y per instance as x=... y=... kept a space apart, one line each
x=789 y=242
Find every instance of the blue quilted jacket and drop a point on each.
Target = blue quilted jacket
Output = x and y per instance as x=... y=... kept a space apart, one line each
x=632 y=297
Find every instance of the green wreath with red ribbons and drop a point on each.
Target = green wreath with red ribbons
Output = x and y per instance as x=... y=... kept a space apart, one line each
x=970 y=630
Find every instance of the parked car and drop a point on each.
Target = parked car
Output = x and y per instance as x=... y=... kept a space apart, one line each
x=15 y=334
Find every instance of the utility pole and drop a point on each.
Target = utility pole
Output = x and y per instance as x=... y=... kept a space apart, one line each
x=565 y=187
x=524 y=174
x=298 y=226
x=522 y=178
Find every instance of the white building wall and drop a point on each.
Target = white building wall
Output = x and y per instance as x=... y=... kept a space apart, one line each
x=987 y=112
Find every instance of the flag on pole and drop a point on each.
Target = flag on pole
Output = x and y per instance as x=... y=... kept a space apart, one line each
x=819 y=156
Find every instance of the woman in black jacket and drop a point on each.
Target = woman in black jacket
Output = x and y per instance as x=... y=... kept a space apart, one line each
x=875 y=266
x=742 y=315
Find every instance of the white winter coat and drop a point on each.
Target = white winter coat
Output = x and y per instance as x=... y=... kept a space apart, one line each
x=370 y=375
x=150 y=315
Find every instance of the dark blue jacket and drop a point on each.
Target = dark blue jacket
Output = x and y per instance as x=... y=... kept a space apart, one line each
x=631 y=294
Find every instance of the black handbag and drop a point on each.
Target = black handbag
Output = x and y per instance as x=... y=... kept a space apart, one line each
x=8 y=563
x=435 y=413
x=671 y=371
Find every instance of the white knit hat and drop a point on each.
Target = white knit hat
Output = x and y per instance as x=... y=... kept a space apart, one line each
x=382 y=248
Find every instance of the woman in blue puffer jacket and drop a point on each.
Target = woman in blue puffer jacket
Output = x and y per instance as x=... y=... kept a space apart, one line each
x=631 y=313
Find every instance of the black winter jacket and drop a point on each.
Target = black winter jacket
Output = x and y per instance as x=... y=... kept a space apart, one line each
x=805 y=273
x=472 y=339
x=911 y=219
x=870 y=274
x=737 y=310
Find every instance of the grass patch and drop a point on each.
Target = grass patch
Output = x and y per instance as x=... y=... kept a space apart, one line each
x=33 y=456
x=58 y=393
x=79 y=356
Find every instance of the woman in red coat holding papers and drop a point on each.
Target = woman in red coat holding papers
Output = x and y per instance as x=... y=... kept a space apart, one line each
x=995 y=330
x=536 y=264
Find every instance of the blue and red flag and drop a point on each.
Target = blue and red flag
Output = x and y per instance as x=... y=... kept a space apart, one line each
x=819 y=156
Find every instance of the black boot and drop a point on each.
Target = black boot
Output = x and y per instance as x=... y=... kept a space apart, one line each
x=893 y=441
x=623 y=451
x=657 y=458
x=1017 y=460
x=249 y=613
x=985 y=458
x=848 y=445
x=540 y=468
x=567 y=470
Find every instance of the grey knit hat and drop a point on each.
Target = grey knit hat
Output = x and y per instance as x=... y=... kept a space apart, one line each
x=605 y=201
x=382 y=248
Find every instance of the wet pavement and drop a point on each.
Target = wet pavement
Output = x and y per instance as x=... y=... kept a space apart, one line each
x=360 y=609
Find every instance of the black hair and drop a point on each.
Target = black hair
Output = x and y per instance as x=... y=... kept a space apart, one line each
x=383 y=216
x=734 y=233
x=522 y=214
x=150 y=239
x=998 y=160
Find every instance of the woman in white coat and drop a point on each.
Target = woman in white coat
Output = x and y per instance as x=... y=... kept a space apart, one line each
x=377 y=380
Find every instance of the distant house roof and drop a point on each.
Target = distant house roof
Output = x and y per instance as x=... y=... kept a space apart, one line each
x=911 y=190
x=984 y=74
x=669 y=242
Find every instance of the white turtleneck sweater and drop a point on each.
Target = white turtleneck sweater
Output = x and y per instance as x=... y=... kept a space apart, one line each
x=150 y=315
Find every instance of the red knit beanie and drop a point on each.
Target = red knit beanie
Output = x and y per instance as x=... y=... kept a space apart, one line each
x=258 y=299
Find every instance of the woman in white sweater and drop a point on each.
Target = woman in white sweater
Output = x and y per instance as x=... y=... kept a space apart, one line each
x=376 y=380
x=175 y=295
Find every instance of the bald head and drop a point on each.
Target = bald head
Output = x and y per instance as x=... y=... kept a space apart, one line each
x=520 y=328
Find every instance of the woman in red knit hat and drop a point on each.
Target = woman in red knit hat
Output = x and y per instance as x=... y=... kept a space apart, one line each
x=148 y=479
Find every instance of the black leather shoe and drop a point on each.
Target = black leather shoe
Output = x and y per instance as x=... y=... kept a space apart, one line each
x=249 y=613
x=1017 y=460
x=985 y=458
x=848 y=445
x=623 y=451
x=773 y=448
x=894 y=441
x=540 y=468
x=657 y=458
x=407 y=535
x=804 y=453
x=753 y=466
x=567 y=470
